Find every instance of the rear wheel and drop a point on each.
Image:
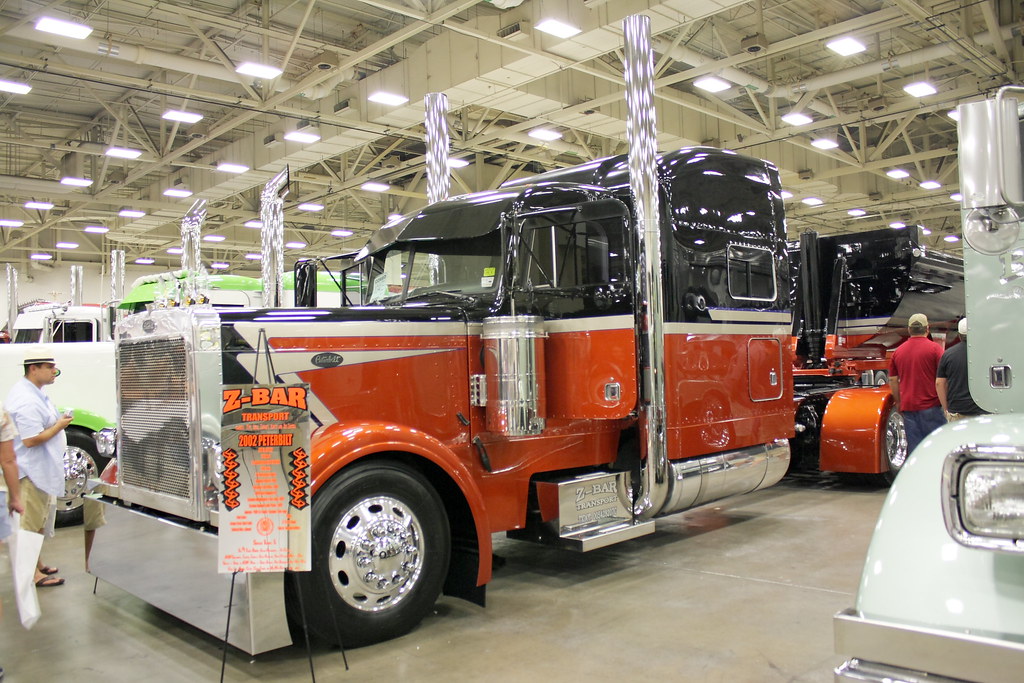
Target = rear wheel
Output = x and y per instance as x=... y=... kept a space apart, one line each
x=381 y=546
x=81 y=462
x=894 y=444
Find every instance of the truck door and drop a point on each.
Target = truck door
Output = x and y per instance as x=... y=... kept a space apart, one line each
x=572 y=270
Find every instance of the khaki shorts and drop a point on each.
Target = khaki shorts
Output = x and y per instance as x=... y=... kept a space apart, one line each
x=37 y=503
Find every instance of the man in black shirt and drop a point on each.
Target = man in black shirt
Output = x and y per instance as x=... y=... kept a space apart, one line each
x=951 y=380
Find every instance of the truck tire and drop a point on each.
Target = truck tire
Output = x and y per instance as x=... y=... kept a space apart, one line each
x=81 y=462
x=894 y=445
x=381 y=545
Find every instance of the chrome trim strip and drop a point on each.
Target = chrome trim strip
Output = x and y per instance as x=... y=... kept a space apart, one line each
x=942 y=653
x=952 y=468
x=727 y=328
x=611 y=322
x=173 y=567
x=352 y=328
x=736 y=315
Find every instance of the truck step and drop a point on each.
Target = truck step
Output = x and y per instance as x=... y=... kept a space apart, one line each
x=585 y=512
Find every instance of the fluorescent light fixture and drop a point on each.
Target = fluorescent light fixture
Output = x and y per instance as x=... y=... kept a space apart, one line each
x=227 y=167
x=253 y=224
x=177 y=192
x=41 y=257
x=795 y=118
x=123 y=152
x=812 y=201
x=61 y=27
x=786 y=194
x=712 y=83
x=896 y=225
x=845 y=46
x=919 y=89
x=556 y=28
x=131 y=213
x=66 y=245
x=953 y=114
x=457 y=163
x=264 y=71
x=175 y=250
x=341 y=233
x=220 y=266
x=310 y=206
x=11 y=223
x=930 y=185
x=254 y=257
x=545 y=134
x=214 y=238
x=75 y=182
x=182 y=116
x=897 y=173
x=305 y=136
x=924 y=230
x=42 y=206
x=951 y=238
x=96 y=229
x=295 y=245
x=824 y=143
x=373 y=186
x=956 y=197
x=145 y=261
x=856 y=213
x=15 y=87
x=388 y=98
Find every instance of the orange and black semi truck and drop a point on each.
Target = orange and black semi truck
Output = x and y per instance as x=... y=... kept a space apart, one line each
x=510 y=369
x=853 y=295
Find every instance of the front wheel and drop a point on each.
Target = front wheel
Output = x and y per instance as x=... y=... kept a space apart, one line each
x=894 y=444
x=81 y=462
x=380 y=551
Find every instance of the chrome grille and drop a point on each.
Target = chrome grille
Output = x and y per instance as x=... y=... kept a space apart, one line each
x=155 y=415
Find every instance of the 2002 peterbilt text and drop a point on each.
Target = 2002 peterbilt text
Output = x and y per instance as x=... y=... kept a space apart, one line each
x=497 y=380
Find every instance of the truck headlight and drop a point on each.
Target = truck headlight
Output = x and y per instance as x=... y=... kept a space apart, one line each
x=983 y=497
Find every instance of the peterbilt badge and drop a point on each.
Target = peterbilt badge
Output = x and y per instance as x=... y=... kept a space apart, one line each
x=327 y=359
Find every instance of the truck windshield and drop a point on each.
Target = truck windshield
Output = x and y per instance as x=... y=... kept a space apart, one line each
x=410 y=270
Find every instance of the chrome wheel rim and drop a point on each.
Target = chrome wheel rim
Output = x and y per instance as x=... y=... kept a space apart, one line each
x=78 y=468
x=376 y=554
x=895 y=441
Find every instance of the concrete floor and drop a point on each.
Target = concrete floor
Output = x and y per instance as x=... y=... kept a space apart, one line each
x=743 y=590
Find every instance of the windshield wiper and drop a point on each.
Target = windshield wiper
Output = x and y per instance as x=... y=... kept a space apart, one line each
x=441 y=294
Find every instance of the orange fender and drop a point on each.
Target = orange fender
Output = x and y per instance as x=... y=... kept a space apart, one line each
x=343 y=443
x=853 y=431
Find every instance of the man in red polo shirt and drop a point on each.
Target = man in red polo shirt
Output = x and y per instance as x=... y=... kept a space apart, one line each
x=912 y=380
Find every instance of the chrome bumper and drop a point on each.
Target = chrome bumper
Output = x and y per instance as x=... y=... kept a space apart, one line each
x=884 y=651
x=174 y=568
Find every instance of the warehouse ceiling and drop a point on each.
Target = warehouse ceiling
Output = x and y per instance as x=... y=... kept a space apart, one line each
x=503 y=78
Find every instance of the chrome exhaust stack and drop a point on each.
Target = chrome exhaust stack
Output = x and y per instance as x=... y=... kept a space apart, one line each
x=649 y=319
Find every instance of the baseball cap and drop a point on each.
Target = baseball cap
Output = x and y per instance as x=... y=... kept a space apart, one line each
x=961 y=326
x=38 y=354
x=918 y=320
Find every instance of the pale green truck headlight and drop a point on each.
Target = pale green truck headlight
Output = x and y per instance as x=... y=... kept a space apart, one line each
x=983 y=497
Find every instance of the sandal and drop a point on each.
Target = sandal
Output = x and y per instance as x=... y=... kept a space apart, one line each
x=48 y=570
x=48 y=581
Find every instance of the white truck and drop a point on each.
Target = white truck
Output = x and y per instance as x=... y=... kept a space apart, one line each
x=941 y=596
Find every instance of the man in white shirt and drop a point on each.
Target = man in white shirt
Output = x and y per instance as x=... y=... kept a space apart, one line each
x=39 y=448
